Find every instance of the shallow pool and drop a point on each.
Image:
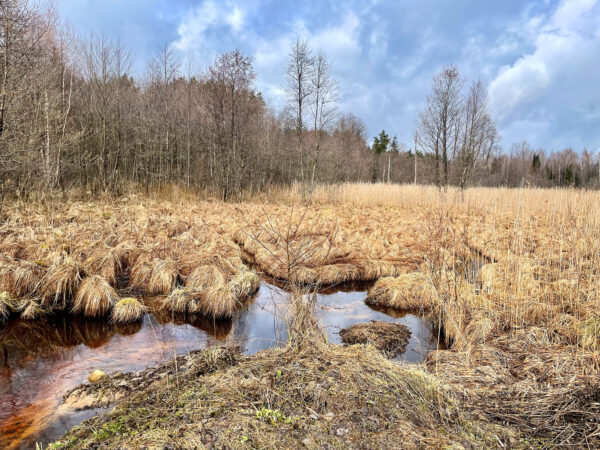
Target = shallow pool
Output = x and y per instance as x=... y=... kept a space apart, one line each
x=41 y=360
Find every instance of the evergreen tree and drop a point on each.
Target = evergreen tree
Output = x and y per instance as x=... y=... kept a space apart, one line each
x=375 y=147
x=535 y=163
x=394 y=145
x=384 y=141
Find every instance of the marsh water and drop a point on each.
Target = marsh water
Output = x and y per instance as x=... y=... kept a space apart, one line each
x=41 y=360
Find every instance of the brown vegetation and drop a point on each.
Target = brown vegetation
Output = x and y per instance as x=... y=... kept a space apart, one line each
x=389 y=338
x=522 y=329
x=127 y=310
x=314 y=394
x=95 y=297
x=411 y=291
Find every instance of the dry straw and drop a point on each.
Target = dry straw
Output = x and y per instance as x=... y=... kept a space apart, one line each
x=61 y=282
x=127 y=310
x=95 y=297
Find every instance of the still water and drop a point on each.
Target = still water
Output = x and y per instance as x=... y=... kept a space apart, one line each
x=41 y=360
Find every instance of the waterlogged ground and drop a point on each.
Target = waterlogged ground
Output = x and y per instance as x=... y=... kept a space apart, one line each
x=40 y=361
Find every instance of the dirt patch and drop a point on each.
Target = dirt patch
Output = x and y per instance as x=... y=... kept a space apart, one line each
x=389 y=338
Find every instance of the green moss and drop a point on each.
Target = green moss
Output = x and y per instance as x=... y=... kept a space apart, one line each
x=109 y=429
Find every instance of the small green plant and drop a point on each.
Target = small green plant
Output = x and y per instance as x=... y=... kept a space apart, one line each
x=109 y=429
x=272 y=416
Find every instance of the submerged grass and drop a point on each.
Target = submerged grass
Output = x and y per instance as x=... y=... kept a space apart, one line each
x=387 y=337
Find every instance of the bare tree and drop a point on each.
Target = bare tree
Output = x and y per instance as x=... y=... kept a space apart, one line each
x=477 y=135
x=231 y=79
x=325 y=96
x=299 y=89
x=439 y=120
x=163 y=70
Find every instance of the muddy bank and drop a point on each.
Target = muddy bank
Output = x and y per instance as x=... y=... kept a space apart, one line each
x=111 y=388
x=307 y=394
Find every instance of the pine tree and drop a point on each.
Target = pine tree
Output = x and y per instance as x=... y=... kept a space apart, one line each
x=394 y=146
x=376 y=144
x=383 y=142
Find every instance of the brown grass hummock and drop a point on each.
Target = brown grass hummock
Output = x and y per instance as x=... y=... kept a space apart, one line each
x=31 y=311
x=6 y=306
x=389 y=338
x=127 y=310
x=156 y=277
x=411 y=291
x=107 y=263
x=95 y=297
x=215 y=290
x=60 y=283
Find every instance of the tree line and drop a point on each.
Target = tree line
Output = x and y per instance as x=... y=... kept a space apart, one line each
x=72 y=115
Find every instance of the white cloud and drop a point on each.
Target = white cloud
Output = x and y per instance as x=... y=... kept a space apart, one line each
x=235 y=19
x=566 y=51
x=208 y=16
x=340 y=41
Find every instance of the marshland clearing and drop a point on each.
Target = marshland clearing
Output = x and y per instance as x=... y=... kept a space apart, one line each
x=510 y=276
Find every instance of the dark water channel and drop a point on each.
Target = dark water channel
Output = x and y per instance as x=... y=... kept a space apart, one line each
x=41 y=360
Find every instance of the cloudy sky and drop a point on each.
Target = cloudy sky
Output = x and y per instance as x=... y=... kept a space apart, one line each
x=540 y=59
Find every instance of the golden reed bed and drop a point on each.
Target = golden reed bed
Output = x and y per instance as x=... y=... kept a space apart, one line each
x=511 y=276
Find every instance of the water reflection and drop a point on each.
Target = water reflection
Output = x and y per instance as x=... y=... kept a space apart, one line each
x=41 y=360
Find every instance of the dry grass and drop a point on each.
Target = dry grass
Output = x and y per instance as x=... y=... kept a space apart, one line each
x=215 y=290
x=95 y=297
x=6 y=306
x=108 y=263
x=520 y=329
x=154 y=277
x=60 y=283
x=31 y=311
x=389 y=338
x=127 y=310
x=315 y=395
x=411 y=291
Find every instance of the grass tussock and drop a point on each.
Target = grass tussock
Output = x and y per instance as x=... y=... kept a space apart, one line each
x=127 y=310
x=32 y=311
x=95 y=297
x=215 y=290
x=18 y=277
x=60 y=283
x=156 y=277
x=389 y=338
x=6 y=306
x=107 y=263
x=411 y=291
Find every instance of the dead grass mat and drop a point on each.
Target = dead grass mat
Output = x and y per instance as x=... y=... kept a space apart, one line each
x=316 y=395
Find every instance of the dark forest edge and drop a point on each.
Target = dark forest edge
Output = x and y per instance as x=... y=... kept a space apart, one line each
x=72 y=116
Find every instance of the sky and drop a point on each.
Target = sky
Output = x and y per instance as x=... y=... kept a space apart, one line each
x=540 y=59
